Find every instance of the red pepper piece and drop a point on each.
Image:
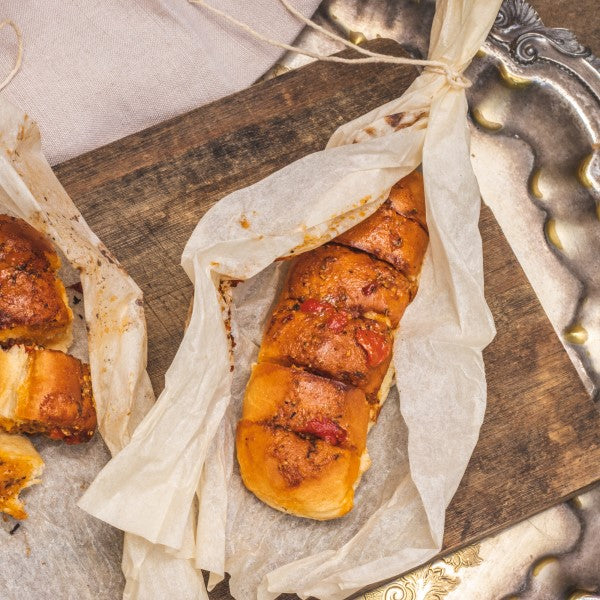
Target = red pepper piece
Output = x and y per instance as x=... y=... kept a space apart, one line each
x=325 y=429
x=370 y=288
x=314 y=306
x=374 y=344
x=337 y=321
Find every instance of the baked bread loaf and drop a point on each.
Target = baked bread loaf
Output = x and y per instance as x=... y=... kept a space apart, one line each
x=20 y=467
x=33 y=303
x=46 y=391
x=324 y=366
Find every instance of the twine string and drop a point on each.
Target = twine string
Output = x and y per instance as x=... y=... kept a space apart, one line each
x=19 y=59
x=454 y=78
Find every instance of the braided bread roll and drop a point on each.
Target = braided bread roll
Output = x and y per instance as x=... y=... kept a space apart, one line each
x=324 y=368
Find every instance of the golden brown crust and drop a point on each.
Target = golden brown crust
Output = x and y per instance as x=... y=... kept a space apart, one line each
x=33 y=304
x=21 y=245
x=20 y=467
x=351 y=280
x=60 y=397
x=32 y=308
x=407 y=198
x=311 y=406
x=325 y=360
x=391 y=237
x=329 y=343
x=53 y=395
x=308 y=478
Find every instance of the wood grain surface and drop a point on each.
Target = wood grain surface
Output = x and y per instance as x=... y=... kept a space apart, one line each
x=143 y=195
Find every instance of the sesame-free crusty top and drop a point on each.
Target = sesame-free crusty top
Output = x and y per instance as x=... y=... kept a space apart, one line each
x=33 y=302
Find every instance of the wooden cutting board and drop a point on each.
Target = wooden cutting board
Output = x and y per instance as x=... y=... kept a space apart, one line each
x=143 y=195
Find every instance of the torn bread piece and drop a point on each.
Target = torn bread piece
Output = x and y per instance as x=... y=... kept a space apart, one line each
x=20 y=467
x=302 y=437
x=48 y=392
x=34 y=308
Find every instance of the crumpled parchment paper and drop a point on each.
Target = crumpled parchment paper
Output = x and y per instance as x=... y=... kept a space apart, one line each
x=60 y=550
x=421 y=445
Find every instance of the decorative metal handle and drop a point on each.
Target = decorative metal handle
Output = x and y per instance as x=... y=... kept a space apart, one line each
x=519 y=30
x=526 y=51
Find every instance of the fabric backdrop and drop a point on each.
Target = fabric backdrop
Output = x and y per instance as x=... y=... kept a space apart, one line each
x=96 y=70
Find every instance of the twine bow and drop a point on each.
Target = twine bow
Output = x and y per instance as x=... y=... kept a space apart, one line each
x=455 y=78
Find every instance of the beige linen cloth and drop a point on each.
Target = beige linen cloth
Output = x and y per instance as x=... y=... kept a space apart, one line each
x=96 y=70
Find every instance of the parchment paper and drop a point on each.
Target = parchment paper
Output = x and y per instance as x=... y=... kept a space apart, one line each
x=422 y=443
x=60 y=551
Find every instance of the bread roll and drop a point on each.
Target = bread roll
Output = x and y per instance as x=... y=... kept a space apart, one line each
x=307 y=433
x=392 y=237
x=33 y=302
x=355 y=280
x=48 y=392
x=331 y=342
x=20 y=467
x=324 y=367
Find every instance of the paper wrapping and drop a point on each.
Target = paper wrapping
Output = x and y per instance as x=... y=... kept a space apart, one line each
x=60 y=550
x=183 y=451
